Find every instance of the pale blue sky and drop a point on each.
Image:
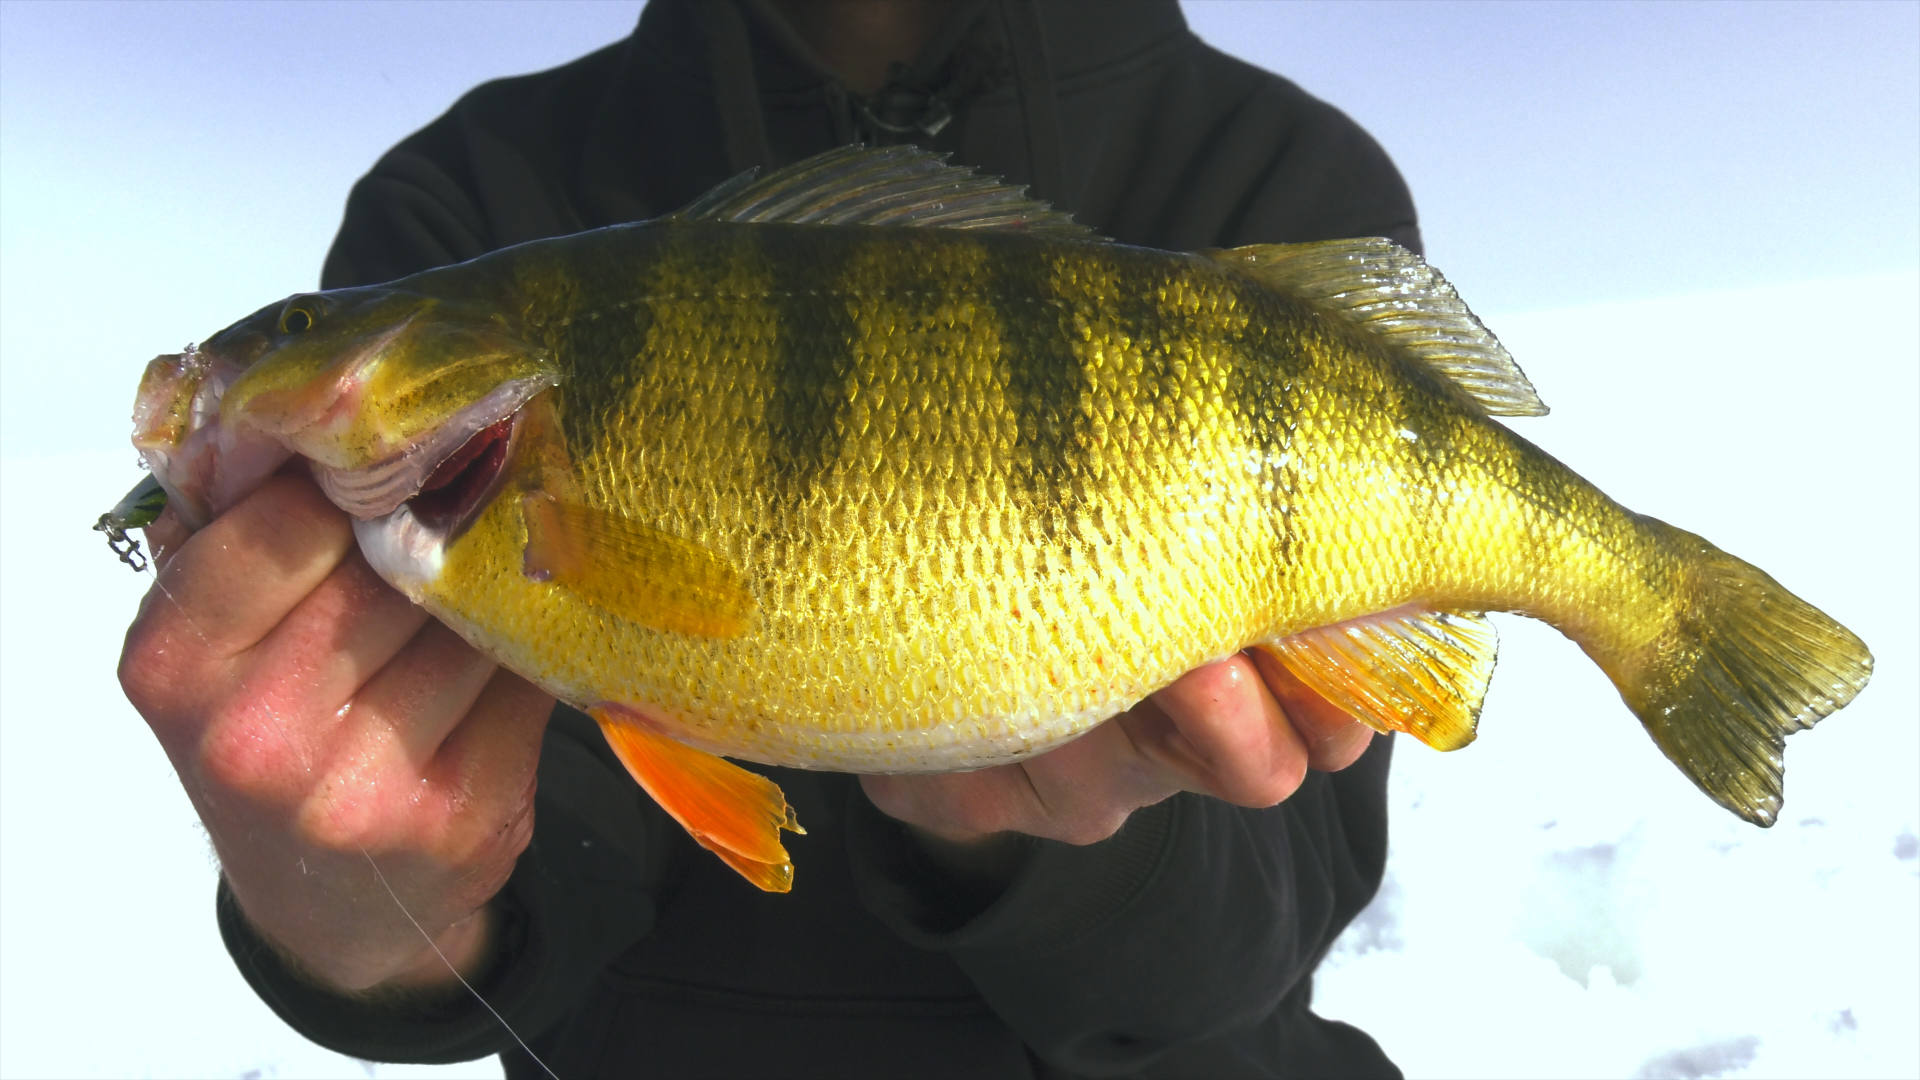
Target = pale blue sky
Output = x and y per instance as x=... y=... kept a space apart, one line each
x=165 y=168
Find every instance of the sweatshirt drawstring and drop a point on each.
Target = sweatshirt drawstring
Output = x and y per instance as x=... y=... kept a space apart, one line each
x=735 y=90
x=737 y=93
x=1033 y=74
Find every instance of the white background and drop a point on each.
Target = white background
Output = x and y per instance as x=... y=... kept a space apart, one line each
x=1696 y=226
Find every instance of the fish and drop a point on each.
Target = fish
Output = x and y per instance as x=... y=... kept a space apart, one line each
x=875 y=464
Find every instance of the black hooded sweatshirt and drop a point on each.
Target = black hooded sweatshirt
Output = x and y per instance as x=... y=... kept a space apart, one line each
x=1183 y=945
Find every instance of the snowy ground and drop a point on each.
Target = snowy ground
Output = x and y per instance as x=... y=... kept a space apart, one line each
x=1561 y=902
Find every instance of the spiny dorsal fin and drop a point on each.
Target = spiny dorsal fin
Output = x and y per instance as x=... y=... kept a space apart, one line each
x=1393 y=293
x=896 y=185
x=1417 y=670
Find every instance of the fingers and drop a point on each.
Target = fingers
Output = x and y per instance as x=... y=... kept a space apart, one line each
x=960 y=808
x=316 y=717
x=1085 y=790
x=1243 y=730
x=1224 y=735
x=232 y=582
x=484 y=778
x=495 y=749
x=334 y=641
x=1334 y=739
x=422 y=690
x=164 y=535
x=1079 y=793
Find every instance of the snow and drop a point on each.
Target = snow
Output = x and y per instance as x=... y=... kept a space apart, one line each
x=1560 y=900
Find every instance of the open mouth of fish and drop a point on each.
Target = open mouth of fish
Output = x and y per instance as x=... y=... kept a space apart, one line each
x=441 y=498
x=445 y=478
x=463 y=483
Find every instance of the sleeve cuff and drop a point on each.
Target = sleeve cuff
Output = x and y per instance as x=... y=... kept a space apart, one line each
x=455 y=1027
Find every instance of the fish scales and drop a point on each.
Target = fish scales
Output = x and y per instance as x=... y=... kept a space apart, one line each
x=962 y=476
x=794 y=486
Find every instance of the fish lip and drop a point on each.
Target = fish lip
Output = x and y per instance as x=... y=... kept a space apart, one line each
x=205 y=465
x=376 y=490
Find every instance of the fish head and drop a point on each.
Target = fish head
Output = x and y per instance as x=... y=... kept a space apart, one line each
x=376 y=387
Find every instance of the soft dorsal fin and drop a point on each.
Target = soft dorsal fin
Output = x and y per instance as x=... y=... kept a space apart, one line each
x=895 y=185
x=1392 y=292
x=1411 y=669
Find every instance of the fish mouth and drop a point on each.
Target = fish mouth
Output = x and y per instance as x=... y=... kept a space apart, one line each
x=377 y=490
x=407 y=545
x=465 y=482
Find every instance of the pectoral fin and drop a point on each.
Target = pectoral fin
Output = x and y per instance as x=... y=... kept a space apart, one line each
x=634 y=571
x=731 y=812
x=1411 y=669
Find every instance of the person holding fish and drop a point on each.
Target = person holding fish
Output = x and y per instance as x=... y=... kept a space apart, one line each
x=962 y=519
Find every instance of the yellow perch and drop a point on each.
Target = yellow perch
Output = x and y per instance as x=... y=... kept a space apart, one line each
x=876 y=465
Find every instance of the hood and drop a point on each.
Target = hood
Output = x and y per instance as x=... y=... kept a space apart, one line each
x=986 y=88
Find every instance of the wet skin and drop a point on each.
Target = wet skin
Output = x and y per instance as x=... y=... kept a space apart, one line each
x=313 y=713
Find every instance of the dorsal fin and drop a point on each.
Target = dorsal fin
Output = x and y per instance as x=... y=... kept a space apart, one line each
x=1381 y=286
x=896 y=185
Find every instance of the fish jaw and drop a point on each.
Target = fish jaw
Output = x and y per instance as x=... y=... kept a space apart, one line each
x=405 y=551
x=376 y=380
x=378 y=490
x=205 y=465
x=407 y=544
x=375 y=387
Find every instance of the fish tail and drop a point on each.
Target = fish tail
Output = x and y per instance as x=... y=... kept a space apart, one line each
x=1742 y=664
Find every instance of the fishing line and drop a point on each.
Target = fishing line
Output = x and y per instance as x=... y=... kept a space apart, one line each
x=333 y=812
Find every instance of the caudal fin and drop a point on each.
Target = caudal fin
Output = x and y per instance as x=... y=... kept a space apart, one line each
x=1745 y=664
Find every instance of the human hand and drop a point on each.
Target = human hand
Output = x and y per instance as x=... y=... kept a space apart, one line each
x=1243 y=729
x=316 y=717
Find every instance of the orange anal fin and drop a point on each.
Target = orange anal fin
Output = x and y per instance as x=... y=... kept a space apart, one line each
x=633 y=570
x=1411 y=669
x=732 y=812
x=767 y=877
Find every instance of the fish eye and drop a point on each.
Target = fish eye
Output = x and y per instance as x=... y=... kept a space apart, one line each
x=296 y=321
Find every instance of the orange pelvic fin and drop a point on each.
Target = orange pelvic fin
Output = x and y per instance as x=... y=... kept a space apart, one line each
x=734 y=813
x=632 y=570
x=1411 y=669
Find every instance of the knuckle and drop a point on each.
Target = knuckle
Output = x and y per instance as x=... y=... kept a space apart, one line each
x=148 y=670
x=1092 y=828
x=482 y=843
x=346 y=815
x=142 y=676
x=237 y=753
x=977 y=809
x=1276 y=785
